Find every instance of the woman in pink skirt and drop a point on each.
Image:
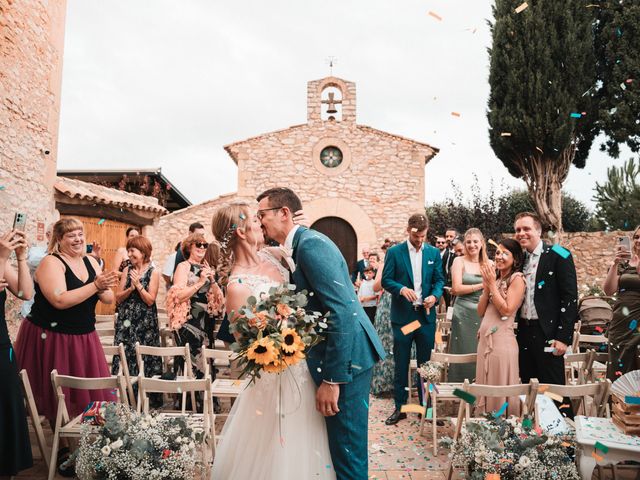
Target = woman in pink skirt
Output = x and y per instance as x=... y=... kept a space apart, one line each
x=501 y=298
x=59 y=332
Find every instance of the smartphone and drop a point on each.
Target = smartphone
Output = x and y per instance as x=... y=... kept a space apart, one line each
x=89 y=248
x=625 y=243
x=20 y=221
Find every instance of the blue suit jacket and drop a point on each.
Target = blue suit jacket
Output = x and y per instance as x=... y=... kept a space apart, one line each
x=397 y=273
x=351 y=343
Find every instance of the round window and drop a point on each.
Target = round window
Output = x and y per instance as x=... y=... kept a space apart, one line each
x=331 y=157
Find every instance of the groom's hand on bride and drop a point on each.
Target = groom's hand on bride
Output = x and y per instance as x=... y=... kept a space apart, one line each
x=327 y=399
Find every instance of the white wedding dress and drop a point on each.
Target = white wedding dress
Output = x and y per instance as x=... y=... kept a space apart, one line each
x=274 y=431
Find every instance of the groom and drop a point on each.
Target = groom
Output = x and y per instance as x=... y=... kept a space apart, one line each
x=342 y=364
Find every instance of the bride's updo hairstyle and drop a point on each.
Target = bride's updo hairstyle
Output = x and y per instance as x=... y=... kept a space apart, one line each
x=224 y=225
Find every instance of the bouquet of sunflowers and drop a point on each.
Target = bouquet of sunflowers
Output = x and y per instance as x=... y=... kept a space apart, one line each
x=273 y=332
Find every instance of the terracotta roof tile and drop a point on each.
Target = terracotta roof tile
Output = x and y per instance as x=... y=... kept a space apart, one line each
x=107 y=196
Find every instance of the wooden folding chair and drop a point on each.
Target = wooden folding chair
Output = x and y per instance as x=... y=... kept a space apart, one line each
x=202 y=420
x=106 y=320
x=109 y=352
x=576 y=337
x=36 y=420
x=592 y=340
x=589 y=399
x=167 y=355
x=70 y=428
x=529 y=390
x=577 y=367
x=443 y=390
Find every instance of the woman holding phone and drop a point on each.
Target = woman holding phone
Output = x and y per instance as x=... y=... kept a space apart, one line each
x=623 y=280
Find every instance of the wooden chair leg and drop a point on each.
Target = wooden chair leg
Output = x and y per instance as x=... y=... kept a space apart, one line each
x=54 y=448
x=434 y=424
x=32 y=410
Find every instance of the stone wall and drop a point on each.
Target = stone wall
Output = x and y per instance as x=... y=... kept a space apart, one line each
x=31 y=47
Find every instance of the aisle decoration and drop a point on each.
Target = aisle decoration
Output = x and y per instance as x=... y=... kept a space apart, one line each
x=431 y=371
x=513 y=449
x=134 y=446
x=274 y=331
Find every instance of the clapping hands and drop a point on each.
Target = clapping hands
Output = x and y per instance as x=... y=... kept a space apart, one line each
x=106 y=280
x=488 y=275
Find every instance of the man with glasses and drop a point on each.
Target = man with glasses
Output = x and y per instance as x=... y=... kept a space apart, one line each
x=441 y=244
x=342 y=364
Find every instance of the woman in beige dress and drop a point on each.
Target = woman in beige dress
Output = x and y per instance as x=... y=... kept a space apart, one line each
x=502 y=295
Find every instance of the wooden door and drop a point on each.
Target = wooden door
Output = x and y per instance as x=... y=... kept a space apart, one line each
x=343 y=235
x=111 y=235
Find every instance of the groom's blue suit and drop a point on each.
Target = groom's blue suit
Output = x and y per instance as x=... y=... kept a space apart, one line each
x=348 y=353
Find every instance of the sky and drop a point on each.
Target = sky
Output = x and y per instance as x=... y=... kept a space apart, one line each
x=159 y=83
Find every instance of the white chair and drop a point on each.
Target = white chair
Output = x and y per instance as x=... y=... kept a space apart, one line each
x=36 y=419
x=590 y=399
x=109 y=352
x=202 y=420
x=66 y=427
x=577 y=367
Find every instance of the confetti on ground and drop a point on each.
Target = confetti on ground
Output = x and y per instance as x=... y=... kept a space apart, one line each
x=554 y=396
x=455 y=114
x=429 y=412
x=412 y=408
x=563 y=252
x=633 y=325
x=101 y=221
x=492 y=476
x=411 y=327
x=466 y=396
x=601 y=447
x=435 y=15
x=632 y=400
x=522 y=7
x=500 y=412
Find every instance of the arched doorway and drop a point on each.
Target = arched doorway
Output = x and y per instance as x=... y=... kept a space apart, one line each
x=343 y=235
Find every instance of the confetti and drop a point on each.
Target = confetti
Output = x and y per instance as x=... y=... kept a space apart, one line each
x=564 y=405
x=10 y=354
x=101 y=221
x=632 y=400
x=365 y=403
x=540 y=283
x=411 y=327
x=455 y=114
x=466 y=396
x=625 y=311
x=549 y=349
x=414 y=230
x=554 y=396
x=43 y=335
x=435 y=15
x=243 y=216
x=599 y=329
x=522 y=7
x=2 y=187
x=601 y=447
x=338 y=283
x=597 y=457
x=575 y=115
x=54 y=324
x=319 y=369
x=505 y=134
x=258 y=412
x=357 y=367
x=633 y=325
x=539 y=149
x=492 y=476
x=563 y=252
x=500 y=412
x=429 y=412
x=527 y=423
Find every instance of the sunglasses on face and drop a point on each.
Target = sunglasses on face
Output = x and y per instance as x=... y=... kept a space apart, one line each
x=202 y=245
x=440 y=243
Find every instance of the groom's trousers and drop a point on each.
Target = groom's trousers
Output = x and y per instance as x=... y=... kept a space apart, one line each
x=348 y=430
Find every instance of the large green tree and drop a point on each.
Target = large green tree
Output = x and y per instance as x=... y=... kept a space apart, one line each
x=618 y=199
x=541 y=64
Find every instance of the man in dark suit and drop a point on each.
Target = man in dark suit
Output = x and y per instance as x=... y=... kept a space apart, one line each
x=448 y=256
x=412 y=274
x=549 y=310
x=358 y=273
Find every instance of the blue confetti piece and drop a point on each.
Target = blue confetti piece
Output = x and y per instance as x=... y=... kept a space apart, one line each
x=2 y=187
x=633 y=325
x=10 y=354
x=101 y=221
x=575 y=115
x=563 y=252
x=365 y=403
x=500 y=412
x=540 y=284
x=632 y=400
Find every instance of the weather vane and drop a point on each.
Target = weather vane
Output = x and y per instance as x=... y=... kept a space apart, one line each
x=331 y=61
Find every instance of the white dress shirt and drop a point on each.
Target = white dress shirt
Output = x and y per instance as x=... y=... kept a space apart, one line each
x=530 y=269
x=416 y=267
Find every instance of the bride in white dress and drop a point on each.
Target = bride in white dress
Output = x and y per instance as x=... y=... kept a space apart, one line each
x=274 y=430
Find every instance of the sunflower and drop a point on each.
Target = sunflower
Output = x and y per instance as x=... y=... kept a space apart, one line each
x=262 y=351
x=292 y=358
x=275 y=367
x=291 y=341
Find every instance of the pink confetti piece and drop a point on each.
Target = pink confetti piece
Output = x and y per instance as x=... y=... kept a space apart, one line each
x=435 y=15
x=522 y=7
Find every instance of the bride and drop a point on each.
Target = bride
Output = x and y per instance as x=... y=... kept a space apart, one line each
x=274 y=430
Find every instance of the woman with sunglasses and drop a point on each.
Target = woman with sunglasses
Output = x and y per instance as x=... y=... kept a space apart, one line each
x=193 y=280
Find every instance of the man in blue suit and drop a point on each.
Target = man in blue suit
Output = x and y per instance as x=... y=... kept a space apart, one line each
x=342 y=364
x=413 y=275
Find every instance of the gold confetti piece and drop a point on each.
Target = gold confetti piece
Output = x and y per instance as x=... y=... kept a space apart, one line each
x=539 y=149
x=258 y=412
x=413 y=408
x=597 y=457
x=435 y=15
x=522 y=7
x=411 y=327
x=492 y=242
x=505 y=134
x=455 y=114
x=237 y=383
x=554 y=396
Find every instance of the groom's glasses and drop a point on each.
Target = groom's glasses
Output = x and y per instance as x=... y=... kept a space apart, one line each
x=260 y=213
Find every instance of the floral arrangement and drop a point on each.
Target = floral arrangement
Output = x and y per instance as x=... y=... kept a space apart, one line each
x=431 y=371
x=274 y=331
x=514 y=449
x=136 y=446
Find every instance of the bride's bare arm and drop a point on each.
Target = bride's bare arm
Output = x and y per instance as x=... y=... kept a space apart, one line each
x=237 y=295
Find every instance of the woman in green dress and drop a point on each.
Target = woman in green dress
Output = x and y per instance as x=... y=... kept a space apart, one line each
x=466 y=285
x=623 y=333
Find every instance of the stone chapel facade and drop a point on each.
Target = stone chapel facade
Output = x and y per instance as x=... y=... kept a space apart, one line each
x=357 y=184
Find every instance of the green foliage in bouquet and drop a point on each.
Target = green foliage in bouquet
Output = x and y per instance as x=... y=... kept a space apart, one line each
x=274 y=331
x=133 y=446
x=513 y=449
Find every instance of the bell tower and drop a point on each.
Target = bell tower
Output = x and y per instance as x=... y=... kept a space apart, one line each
x=331 y=99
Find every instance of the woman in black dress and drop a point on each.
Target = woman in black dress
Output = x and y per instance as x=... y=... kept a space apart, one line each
x=15 y=447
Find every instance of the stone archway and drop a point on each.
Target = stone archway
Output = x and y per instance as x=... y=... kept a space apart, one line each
x=343 y=235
